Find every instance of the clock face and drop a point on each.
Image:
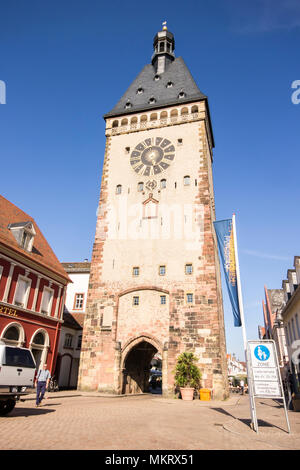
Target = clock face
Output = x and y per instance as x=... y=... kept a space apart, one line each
x=152 y=156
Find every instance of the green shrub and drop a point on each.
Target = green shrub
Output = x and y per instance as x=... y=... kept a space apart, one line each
x=187 y=373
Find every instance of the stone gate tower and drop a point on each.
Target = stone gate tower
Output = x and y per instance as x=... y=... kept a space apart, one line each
x=155 y=279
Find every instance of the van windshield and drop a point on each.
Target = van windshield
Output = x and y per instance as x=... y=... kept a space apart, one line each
x=18 y=357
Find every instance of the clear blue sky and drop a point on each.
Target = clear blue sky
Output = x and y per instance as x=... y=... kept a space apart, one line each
x=66 y=63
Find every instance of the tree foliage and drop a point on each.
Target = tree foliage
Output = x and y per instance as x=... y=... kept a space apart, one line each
x=187 y=373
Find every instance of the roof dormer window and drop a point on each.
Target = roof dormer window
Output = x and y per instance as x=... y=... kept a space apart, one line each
x=181 y=94
x=24 y=234
x=140 y=90
x=152 y=100
x=128 y=105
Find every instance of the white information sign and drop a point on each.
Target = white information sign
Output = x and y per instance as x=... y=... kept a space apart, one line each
x=265 y=370
x=263 y=375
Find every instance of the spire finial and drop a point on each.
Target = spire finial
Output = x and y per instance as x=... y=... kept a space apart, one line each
x=164 y=26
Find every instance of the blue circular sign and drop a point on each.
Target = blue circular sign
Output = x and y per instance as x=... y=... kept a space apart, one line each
x=262 y=353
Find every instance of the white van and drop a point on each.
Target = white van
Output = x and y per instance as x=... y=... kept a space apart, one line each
x=17 y=371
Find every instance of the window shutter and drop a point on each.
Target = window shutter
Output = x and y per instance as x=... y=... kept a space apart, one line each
x=46 y=301
x=21 y=292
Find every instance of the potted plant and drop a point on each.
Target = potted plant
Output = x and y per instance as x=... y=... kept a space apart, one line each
x=187 y=375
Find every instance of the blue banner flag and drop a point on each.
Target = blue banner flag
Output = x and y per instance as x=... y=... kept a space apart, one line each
x=224 y=232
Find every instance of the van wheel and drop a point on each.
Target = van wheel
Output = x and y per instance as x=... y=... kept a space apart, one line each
x=6 y=407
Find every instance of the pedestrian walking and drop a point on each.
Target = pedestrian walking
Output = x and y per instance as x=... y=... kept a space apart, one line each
x=41 y=383
x=242 y=385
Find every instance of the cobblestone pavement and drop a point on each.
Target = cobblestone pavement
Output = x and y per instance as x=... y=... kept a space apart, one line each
x=87 y=421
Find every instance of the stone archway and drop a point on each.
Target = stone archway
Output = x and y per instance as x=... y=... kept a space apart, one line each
x=136 y=363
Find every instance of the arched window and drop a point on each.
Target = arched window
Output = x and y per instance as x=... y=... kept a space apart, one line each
x=12 y=334
x=153 y=117
x=174 y=113
x=133 y=121
x=194 y=109
x=164 y=115
x=163 y=184
x=118 y=189
x=143 y=118
x=124 y=122
x=115 y=123
x=39 y=346
x=141 y=186
x=184 y=111
x=39 y=338
x=186 y=180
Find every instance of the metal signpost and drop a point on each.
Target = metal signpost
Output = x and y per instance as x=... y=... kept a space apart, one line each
x=264 y=375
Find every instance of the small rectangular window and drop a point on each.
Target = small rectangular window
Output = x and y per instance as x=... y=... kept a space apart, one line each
x=136 y=300
x=163 y=300
x=68 y=341
x=186 y=181
x=78 y=303
x=188 y=269
x=293 y=328
x=297 y=324
x=189 y=298
x=287 y=335
x=162 y=270
x=22 y=291
x=46 y=301
x=136 y=271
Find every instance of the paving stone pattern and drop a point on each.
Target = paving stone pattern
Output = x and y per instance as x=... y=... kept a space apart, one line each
x=89 y=421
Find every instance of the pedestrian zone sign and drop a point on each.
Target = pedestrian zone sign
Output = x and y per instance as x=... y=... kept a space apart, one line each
x=264 y=369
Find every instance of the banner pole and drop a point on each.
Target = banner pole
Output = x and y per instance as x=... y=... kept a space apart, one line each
x=241 y=307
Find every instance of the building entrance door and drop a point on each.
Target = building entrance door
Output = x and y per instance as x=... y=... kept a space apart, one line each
x=136 y=372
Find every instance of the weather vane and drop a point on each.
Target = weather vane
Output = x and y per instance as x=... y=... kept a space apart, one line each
x=164 y=26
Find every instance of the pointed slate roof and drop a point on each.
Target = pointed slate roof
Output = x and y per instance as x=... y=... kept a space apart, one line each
x=176 y=72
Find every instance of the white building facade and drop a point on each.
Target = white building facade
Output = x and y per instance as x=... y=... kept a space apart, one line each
x=71 y=334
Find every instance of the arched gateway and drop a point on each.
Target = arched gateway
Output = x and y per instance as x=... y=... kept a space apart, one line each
x=136 y=363
x=155 y=283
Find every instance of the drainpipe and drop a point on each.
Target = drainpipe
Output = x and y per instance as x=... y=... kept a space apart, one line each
x=54 y=347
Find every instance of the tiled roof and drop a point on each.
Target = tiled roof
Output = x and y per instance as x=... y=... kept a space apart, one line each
x=73 y=320
x=84 y=267
x=41 y=251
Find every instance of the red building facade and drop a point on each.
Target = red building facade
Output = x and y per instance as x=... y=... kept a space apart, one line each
x=32 y=286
